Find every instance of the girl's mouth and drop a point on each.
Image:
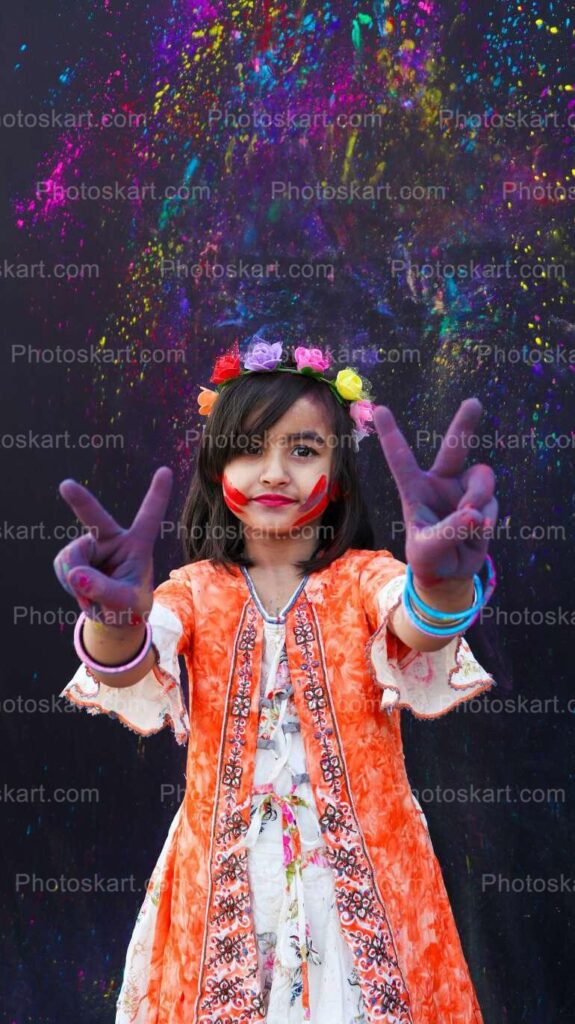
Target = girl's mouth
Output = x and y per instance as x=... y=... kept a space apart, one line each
x=273 y=502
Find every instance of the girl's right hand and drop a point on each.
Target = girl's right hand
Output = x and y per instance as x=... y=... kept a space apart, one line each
x=110 y=570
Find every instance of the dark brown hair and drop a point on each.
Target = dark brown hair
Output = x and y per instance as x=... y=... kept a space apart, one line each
x=210 y=529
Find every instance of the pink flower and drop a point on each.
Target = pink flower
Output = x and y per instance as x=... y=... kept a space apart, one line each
x=362 y=413
x=289 y=816
x=288 y=857
x=312 y=357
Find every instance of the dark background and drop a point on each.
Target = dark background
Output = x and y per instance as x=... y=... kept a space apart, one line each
x=63 y=953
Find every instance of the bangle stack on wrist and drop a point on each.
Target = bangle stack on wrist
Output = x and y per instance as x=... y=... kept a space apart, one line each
x=111 y=669
x=435 y=623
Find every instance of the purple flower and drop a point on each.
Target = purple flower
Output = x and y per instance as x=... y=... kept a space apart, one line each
x=263 y=356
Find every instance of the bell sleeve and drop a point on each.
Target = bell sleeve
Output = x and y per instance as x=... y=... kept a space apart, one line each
x=429 y=683
x=157 y=699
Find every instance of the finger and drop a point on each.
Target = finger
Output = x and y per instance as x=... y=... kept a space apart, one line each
x=153 y=508
x=479 y=484
x=451 y=456
x=490 y=513
x=88 y=509
x=399 y=456
x=479 y=535
x=95 y=586
x=465 y=525
x=78 y=553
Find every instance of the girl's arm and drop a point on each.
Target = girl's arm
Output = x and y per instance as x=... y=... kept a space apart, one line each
x=449 y=596
x=116 y=645
x=448 y=512
x=110 y=573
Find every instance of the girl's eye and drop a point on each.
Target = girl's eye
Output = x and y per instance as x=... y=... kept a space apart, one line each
x=307 y=448
x=257 y=451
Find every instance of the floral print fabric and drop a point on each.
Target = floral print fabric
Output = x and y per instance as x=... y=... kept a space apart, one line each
x=306 y=968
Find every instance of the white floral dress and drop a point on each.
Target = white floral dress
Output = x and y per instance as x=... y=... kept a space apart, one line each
x=307 y=971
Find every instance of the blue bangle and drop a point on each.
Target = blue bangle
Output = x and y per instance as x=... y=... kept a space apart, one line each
x=426 y=627
x=466 y=617
x=477 y=605
x=434 y=613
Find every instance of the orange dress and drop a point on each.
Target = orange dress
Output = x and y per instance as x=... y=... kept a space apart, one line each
x=194 y=957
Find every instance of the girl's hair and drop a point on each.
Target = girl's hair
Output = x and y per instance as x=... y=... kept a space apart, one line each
x=210 y=529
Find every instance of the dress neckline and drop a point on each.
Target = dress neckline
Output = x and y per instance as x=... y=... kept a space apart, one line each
x=276 y=619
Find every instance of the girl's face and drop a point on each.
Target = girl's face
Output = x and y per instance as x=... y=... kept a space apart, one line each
x=293 y=460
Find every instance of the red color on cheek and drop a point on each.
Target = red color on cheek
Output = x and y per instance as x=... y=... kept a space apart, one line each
x=315 y=504
x=312 y=513
x=233 y=508
x=314 y=494
x=232 y=496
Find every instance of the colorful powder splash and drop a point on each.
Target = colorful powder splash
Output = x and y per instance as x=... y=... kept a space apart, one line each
x=259 y=124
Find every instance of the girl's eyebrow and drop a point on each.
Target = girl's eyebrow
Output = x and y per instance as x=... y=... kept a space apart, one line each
x=307 y=435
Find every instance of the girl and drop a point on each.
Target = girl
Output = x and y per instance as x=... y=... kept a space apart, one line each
x=298 y=880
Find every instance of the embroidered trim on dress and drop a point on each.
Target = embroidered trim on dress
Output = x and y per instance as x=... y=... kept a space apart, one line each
x=424 y=672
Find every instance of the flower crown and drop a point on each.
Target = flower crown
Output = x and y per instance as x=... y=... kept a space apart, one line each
x=348 y=386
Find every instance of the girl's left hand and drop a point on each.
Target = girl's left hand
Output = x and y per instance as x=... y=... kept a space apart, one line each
x=447 y=508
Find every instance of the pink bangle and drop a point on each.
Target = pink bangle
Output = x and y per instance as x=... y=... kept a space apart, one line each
x=90 y=663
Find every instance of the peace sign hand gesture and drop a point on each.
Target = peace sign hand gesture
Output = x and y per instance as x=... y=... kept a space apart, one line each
x=447 y=508
x=113 y=567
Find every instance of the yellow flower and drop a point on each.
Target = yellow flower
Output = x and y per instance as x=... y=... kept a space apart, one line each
x=349 y=384
x=206 y=400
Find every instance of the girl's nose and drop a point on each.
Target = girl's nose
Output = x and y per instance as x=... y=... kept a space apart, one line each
x=273 y=470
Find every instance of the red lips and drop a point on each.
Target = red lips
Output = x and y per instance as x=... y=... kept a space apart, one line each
x=274 y=499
